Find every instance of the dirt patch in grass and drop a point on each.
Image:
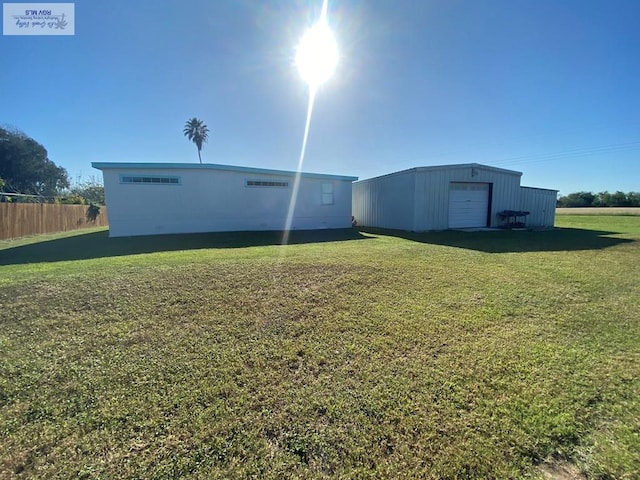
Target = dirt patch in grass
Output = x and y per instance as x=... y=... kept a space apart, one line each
x=561 y=470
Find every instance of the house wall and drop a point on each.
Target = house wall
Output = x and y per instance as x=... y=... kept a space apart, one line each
x=386 y=202
x=211 y=200
x=541 y=205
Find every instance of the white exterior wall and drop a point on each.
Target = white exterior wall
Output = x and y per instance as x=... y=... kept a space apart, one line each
x=541 y=205
x=214 y=200
x=386 y=202
x=432 y=192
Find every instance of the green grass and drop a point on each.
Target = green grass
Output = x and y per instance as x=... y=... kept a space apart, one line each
x=344 y=355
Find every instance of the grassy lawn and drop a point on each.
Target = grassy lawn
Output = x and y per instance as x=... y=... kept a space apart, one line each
x=345 y=355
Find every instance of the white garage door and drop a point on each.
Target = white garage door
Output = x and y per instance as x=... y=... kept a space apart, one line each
x=468 y=205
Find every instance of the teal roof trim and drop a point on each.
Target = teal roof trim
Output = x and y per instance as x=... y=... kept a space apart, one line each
x=212 y=166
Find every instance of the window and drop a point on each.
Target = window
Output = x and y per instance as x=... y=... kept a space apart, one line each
x=327 y=194
x=267 y=183
x=150 y=180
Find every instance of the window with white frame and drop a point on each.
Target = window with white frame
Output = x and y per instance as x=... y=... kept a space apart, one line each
x=327 y=194
x=267 y=183
x=149 y=179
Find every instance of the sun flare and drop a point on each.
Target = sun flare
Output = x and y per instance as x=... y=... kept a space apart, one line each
x=316 y=59
x=317 y=54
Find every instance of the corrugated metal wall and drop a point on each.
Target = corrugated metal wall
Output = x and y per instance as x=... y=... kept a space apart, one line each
x=385 y=202
x=418 y=199
x=432 y=192
x=541 y=205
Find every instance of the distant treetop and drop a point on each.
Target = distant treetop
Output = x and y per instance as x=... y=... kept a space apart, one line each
x=25 y=166
x=602 y=199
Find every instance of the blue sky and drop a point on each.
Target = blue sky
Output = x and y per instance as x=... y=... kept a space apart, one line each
x=550 y=88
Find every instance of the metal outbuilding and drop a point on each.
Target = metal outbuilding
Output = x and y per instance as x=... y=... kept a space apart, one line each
x=449 y=196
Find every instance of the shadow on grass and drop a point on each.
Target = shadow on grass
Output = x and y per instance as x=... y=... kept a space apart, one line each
x=505 y=241
x=84 y=246
x=99 y=245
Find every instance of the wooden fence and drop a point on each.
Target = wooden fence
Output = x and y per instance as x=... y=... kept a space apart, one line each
x=22 y=219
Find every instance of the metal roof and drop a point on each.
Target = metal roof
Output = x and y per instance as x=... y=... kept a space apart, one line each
x=455 y=166
x=213 y=166
x=469 y=165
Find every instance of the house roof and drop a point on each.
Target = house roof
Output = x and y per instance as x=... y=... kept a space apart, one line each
x=213 y=166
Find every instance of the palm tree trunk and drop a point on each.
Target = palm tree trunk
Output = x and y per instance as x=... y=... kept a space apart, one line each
x=199 y=156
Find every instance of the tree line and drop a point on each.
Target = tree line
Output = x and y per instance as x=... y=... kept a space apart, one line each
x=602 y=199
x=28 y=175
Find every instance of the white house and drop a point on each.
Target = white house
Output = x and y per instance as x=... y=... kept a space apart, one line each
x=450 y=196
x=160 y=198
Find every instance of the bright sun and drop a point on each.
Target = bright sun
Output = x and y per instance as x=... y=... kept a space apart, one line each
x=317 y=54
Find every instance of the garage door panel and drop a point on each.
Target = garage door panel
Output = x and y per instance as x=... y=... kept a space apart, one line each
x=468 y=204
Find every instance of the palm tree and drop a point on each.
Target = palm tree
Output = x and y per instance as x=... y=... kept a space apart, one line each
x=196 y=131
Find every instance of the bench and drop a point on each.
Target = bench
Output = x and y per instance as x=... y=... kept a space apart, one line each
x=511 y=218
